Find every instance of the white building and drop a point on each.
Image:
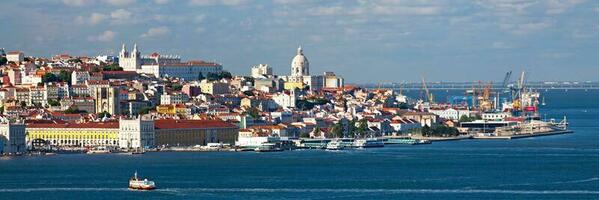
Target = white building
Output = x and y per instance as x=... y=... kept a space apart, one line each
x=136 y=133
x=165 y=65
x=333 y=81
x=261 y=71
x=285 y=100
x=404 y=125
x=451 y=113
x=175 y=98
x=248 y=139
x=12 y=138
x=15 y=56
x=79 y=77
x=495 y=116
x=214 y=88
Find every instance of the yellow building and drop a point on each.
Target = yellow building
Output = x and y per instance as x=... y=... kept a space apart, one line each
x=75 y=135
x=171 y=109
x=293 y=85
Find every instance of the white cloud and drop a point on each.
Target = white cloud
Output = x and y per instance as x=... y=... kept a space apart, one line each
x=120 y=2
x=525 y=28
x=76 y=3
x=161 y=2
x=560 y=6
x=121 y=15
x=218 y=2
x=94 y=18
x=156 y=31
x=106 y=36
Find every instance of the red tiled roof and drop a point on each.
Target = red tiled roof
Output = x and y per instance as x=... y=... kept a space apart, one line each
x=106 y=125
x=191 y=124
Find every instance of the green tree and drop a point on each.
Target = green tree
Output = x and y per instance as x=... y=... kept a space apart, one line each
x=352 y=128
x=177 y=87
x=304 y=135
x=362 y=127
x=1 y=109
x=112 y=67
x=104 y=114
x=253 y=112
x=73 y=110
x=145 y=110
x=3 y=60
x=53 y=102
x=23 y=104
x=201 y=76
x=49 y=77
x=337 y=130
x=317 y=131
x=225 y=74
x=65 y=76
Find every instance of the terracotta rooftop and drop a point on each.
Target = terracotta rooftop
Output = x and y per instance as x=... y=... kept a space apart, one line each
x=191 y=124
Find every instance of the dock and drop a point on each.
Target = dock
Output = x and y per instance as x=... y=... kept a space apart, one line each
x=518 y=136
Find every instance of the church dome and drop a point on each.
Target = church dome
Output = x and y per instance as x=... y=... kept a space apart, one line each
x=300 y=65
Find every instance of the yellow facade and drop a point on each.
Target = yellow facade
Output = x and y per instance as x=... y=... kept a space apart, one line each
x=75 y=136
x=166 y=109
x=293 y=85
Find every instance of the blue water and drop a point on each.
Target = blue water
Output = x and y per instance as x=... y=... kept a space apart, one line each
x=552 y=167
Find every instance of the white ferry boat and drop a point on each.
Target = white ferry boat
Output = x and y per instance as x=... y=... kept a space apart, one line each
x=99 y=150
x=335 y=145
x=368 y=143
x=139 y=184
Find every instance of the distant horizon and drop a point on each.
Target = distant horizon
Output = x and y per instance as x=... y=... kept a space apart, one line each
x=362 y=41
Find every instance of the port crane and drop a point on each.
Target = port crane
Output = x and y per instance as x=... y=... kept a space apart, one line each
x=429 y=96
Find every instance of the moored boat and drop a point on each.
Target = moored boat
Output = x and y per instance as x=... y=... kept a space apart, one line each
x=368 y=143
x=141 y=184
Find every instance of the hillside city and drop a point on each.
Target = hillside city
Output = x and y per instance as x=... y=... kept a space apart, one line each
x=133 y=102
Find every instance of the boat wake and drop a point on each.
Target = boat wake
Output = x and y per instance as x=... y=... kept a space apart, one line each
x=317 y=190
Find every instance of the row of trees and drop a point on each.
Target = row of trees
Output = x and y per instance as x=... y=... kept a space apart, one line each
x=215 y=76
x=439 y=131
x=63 y=76
x=356 y=128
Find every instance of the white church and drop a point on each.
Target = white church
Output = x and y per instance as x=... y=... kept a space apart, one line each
x=165 y=65
x=300 y=75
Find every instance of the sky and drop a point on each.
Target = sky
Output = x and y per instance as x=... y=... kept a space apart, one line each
x=364 y=41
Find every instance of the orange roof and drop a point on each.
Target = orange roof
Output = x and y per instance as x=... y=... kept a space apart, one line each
x=106 y=125
x=191 y=124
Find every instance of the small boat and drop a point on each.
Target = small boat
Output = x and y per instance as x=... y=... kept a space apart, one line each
x=141 y=184
x=267 y=147
x=99 y=150
x=368 y=143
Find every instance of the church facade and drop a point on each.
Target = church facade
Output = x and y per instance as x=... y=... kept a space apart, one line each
x=300 y=75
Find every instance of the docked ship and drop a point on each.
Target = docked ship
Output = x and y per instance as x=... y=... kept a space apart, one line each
x=335 y=145
x=141 y=184
x=406 y=141
x=99 y=150
x=368 y=143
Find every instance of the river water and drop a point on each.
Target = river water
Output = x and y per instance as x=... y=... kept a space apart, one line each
x=551 y=167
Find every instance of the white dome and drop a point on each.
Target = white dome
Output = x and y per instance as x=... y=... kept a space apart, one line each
x=300 y=65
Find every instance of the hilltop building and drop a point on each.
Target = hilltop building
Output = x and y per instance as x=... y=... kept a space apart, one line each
x=165 y=65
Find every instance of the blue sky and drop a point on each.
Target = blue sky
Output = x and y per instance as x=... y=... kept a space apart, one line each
x=361 y=40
